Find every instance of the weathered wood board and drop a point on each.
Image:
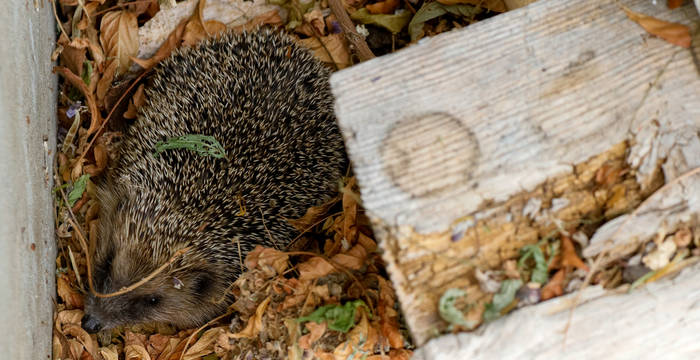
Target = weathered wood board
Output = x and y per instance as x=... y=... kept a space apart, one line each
x=476 y=142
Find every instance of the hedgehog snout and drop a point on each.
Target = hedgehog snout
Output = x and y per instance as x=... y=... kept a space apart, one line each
x=91 y=323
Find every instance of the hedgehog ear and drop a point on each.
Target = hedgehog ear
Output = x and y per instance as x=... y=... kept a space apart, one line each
x=202 y=282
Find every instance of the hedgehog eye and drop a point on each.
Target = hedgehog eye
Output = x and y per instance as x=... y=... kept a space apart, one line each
x=152 y=300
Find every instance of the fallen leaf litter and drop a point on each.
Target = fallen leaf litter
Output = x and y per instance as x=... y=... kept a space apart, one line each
x=336 y=302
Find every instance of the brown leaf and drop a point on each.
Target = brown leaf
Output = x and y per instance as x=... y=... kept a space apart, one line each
x=83 y=337
x=75 y=80
x=194 y=32
x=262 y=256
x=70 y=297
x=73 y=58
x=315 y=332
x=172 y=43
x=120 y=37
x=361 y=337
x=68 y=317
x=205 y=345
x=109 y=352
x=350 y=212
x=314 y=268
x=331 y=49
x=674 y=33
x=255 y=323
x=383 y=7
x=568 y=255
x=105 y=82
x=555 y=286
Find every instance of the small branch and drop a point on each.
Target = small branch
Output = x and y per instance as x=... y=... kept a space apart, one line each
x=358 y=42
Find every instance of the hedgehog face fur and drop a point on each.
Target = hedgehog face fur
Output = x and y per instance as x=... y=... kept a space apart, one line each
x=268 y=102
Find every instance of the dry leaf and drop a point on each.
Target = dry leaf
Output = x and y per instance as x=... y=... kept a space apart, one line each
x=315 y=18
x=83 y=337
x=360 y=340
x=205 y=345
x=136 y=352
x=194 y=32
x=383 y=7
x=254 y=323
x=105 y=82
x=262 y=256
x=109 y=352
x=70 y=296
x=68 y=317
x=315 y=332
x=332 y=49
x=493 y=5
x=568 y=255
x=674 y=33
x=164 y=51
x=120 y=37
x=555 y=286
x=314 y=268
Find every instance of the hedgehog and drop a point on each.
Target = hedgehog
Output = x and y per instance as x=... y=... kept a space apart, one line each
x=267 y=101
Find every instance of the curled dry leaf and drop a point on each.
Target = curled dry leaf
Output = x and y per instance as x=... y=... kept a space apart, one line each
x=361 y=339
x=136 y=352
x=68 y=317
x=255 y=323
x=109 y=352
x=195 y=32
x=76 y=81
x=205 y=345
x=120 y=37
x=674 y=33
x=83 y=337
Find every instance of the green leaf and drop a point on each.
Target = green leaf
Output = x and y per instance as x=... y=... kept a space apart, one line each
x=449 y=312
x=78 y=189
x=502 y=299
x=540 y=274
x=392 y=22
x=202 y=144
x=339 y=317
x=431 y=10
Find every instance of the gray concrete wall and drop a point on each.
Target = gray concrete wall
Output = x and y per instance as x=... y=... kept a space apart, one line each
x=27 y=143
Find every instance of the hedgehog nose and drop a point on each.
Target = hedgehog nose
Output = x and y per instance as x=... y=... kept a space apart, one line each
x=91 y=324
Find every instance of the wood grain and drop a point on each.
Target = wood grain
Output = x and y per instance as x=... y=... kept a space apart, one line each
x=453 y=138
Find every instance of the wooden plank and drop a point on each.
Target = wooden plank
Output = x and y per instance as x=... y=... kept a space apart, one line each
x=657 y=322
x=474 y=143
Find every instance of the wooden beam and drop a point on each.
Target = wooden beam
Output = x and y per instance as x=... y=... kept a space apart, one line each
x=471 y=144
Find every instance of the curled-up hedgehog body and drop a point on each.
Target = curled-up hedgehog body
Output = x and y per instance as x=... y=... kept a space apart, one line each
x=268 y=103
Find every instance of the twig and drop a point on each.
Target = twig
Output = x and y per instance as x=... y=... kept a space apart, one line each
x=357 y=41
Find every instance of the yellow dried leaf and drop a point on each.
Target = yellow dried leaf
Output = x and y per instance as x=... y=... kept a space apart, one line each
x=136 y=352
x=254 y=323
x=120 y=37
x=109 y=352
x=674 y=33
x=205 y=345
